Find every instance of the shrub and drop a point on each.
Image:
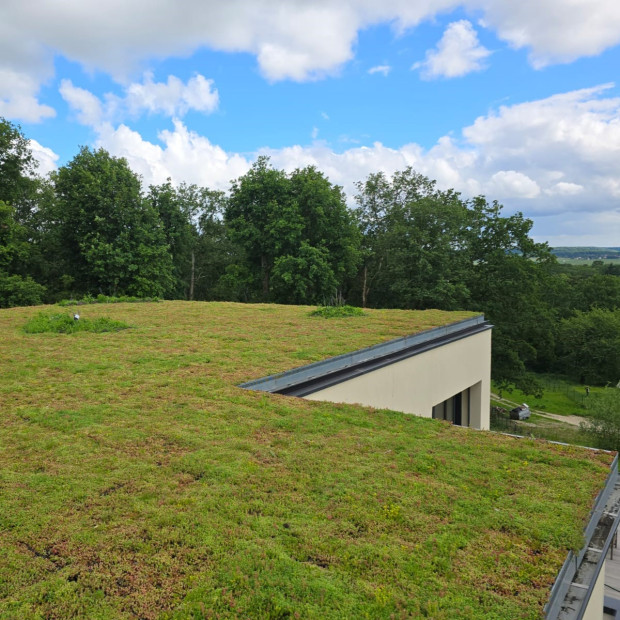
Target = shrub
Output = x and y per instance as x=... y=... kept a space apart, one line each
x=66 y=324
x=331 y=312
x=18 y=291
x=105 y=299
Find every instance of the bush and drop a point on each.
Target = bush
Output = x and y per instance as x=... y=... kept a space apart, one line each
x=105 y=299
x=603 y=423
x=18 y=291
x=331 y=312
x=66 y=324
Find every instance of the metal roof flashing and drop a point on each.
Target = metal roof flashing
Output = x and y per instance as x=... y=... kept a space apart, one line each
x=319 y=375
x=575 y=582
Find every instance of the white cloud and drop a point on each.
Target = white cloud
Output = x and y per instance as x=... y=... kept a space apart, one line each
x=87 y=107
x=555 y=32
x=291 y=39
x=564 y=189
x=315 y=133
x=382 y=69
x=18 y=97
x=512 y=184
x=183 y=156
x=556 y=159
x=47 y=159
x=172 y=98
x=458 y=53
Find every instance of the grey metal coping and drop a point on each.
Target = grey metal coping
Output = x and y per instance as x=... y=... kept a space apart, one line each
x=328 y=370
x=567 y=600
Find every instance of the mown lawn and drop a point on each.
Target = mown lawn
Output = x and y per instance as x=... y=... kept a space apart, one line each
x=560 y=396
x=137 y=480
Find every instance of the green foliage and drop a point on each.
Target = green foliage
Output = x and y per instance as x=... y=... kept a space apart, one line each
x=336 y=312
x=428 y=248
x=18 y=182
x=66 y=324
x=299 y=241
x=603 y=423
x=15 y=289
x=110 y=239
x=589 y=346
x=106 y=299
x=138 y=480
x=19 y=291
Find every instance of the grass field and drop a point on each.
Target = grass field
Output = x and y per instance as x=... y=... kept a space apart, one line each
x=137 y=480
x=586 y=261
x=560 y=396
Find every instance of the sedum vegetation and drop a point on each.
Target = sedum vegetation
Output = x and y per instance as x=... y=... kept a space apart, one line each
x=66 y=324
x=92 y=229
x=138 y=481
x=330 y=312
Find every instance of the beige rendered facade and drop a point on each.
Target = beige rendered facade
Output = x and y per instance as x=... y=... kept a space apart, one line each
x=450 y=382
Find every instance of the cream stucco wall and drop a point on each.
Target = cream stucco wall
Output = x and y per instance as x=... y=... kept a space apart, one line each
x=416 y=384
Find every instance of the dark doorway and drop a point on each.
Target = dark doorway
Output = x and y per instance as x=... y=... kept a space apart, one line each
x=458 y=408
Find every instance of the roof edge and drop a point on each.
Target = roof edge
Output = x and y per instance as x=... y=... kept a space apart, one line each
x=569 y=597
x=300 y=381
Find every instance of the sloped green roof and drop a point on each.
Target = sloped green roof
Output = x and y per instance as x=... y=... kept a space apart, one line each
x=138 y=480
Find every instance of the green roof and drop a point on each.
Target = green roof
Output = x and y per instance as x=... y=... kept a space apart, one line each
x=138 y=480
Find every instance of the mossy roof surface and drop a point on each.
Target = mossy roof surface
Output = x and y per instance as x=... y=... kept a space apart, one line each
x=137 y=480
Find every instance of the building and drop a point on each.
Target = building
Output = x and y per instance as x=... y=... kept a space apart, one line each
x=442 y=373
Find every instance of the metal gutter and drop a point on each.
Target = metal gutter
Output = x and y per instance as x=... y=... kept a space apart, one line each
x=575 y=582
x=314 y=377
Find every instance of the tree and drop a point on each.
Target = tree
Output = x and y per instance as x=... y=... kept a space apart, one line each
x=15 y=289
x=427 y=248
x=329 y=228
x=295 y=229
x=589 y=346
x=112 y=241
x=603 y=422
x=412 y=242
x=508 y=279
x=18 y=180
x=263 y=219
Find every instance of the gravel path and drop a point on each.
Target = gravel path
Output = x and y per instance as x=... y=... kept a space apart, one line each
x=571 y=420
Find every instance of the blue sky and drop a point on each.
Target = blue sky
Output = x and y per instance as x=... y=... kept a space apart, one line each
x=516 y=101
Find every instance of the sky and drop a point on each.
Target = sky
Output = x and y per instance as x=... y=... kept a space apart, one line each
x=518 y=101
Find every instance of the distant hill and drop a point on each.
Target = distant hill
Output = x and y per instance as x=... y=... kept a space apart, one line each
x=590 y=253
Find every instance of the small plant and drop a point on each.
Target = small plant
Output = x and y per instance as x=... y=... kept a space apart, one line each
x=66 y=324
x=331 y=312
x=105 y=299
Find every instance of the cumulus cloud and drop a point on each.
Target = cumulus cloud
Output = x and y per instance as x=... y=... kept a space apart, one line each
x=291 y=39
x=555 y=32
x=458 y=53
x=512 y=184
x=172 y=98
x=18 y=97
x=382 y=69
x=555 y=159
x=46 y=158
x=183 y=155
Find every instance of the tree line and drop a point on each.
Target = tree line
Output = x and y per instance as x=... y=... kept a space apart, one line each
x=90 y=227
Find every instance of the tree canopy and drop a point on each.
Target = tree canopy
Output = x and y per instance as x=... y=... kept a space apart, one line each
x=291 y=237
